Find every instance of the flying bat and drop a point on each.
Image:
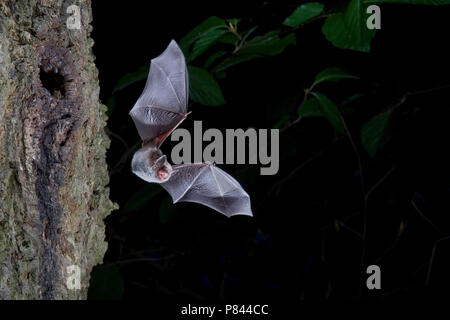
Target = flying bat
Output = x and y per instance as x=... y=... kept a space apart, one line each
x=159 y=110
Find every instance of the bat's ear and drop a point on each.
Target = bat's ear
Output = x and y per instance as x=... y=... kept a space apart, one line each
x=161 y=160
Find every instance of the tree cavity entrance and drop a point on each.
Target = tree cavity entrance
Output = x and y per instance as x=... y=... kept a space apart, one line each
x=52 y=80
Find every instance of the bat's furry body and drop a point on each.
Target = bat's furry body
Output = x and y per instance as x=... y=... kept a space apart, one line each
x=159 y=110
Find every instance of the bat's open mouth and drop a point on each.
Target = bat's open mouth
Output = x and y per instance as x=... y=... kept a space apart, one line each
x=163 y=169
x=163 y=173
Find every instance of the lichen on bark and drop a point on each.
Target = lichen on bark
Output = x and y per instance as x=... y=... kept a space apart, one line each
x=53 y=172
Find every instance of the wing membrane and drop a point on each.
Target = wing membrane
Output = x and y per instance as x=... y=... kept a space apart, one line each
x=207 y=184
x=163 y=103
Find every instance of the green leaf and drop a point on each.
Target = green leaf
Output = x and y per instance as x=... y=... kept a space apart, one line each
x=304 y=13
x=141 y=197
x=206 y=26
x=205 y=41
x=347 y=105
x=284 y=120
x=235 y=59
x=249 y=32
x=213 y=58
x=373 y=133
x=348 y=30
x=330 y=111
x=429 y=2
x=221 y=74
x=234 y=21
x=106 y=284
x=269 y=44
x=351 y=99
x=228 y=38
x=130 y=78
x=203 y=88
x=332 y=74
x=111 y=104
x=310 y=108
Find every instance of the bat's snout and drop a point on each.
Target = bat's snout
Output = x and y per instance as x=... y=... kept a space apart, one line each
x=163 y=174
x=163 y=169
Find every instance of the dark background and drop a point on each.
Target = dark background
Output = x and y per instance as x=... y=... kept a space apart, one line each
x=304 y=241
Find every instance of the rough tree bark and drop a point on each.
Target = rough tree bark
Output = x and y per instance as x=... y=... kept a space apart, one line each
x=53 y=171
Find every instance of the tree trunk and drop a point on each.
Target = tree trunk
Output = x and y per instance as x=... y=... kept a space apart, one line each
x=53 y=171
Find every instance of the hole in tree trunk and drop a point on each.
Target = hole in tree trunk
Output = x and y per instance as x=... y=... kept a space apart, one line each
x=53 y=81
x=56 y=73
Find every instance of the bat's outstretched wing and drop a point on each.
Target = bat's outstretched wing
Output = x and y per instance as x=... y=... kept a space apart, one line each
x=162 y=105
x=206 y=184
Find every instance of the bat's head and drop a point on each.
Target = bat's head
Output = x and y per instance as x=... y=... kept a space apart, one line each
x=151 y=165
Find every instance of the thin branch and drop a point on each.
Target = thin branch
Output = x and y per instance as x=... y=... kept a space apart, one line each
x=379 y=182
x=342 y=224
x=355 y=149
x=244 y=42
x=305 y=96
x=125 y=157
x=387 y=250
x=116 y=136
x=130 y=261
x=324 y=229
x=222 y=287
x=320 y=16
x=426 y=218
x=277 y=186
x=424 y=91
x=363 y=189
x=433 y=253
x=324 y=242
x=419 y=92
